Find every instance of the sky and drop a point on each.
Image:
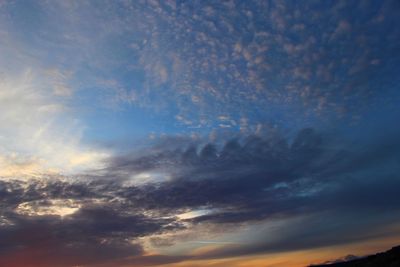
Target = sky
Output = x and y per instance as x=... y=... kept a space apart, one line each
x=198 y=133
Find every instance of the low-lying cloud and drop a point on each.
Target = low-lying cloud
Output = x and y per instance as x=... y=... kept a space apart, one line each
x=306 y=180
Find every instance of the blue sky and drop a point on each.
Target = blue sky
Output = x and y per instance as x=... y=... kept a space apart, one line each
x=174 y=67
x=299 y=100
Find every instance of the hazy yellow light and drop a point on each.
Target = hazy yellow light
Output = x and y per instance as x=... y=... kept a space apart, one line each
x=59 y=207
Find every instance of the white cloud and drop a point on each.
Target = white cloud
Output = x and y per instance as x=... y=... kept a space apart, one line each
x=59 y=82
x=38 y=134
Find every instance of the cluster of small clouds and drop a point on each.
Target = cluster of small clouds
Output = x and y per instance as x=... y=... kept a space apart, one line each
x=309 y=180
x=222 y=58
x=209 y=59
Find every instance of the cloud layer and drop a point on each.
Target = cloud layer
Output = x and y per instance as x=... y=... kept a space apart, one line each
x=316 y=190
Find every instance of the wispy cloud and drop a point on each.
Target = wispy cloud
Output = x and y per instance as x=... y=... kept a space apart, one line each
x=33 y=140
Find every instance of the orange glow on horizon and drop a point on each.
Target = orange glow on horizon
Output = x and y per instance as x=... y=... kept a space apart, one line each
x=36 y=256
x=297 y=259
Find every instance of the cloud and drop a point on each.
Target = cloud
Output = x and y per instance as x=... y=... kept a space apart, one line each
x=215 y=56
x=318 y=192
x=60 y=85
x=33 y=140
x=269 y=179
x=256 y=164
x=101 y=226
x=342 y=27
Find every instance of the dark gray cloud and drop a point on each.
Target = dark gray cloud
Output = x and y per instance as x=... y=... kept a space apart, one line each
x=319 y=187
x=100 y=231
x=335 y=183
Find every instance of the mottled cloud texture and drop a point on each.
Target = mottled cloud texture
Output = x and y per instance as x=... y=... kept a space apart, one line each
x=142 y=133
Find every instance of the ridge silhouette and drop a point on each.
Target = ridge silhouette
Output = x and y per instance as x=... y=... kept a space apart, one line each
x=390 y=258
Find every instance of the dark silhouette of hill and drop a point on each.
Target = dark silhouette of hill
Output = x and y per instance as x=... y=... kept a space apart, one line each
x=390 y=258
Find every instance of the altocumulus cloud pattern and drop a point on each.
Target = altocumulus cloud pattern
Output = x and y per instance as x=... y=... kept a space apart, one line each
x=198 y=133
